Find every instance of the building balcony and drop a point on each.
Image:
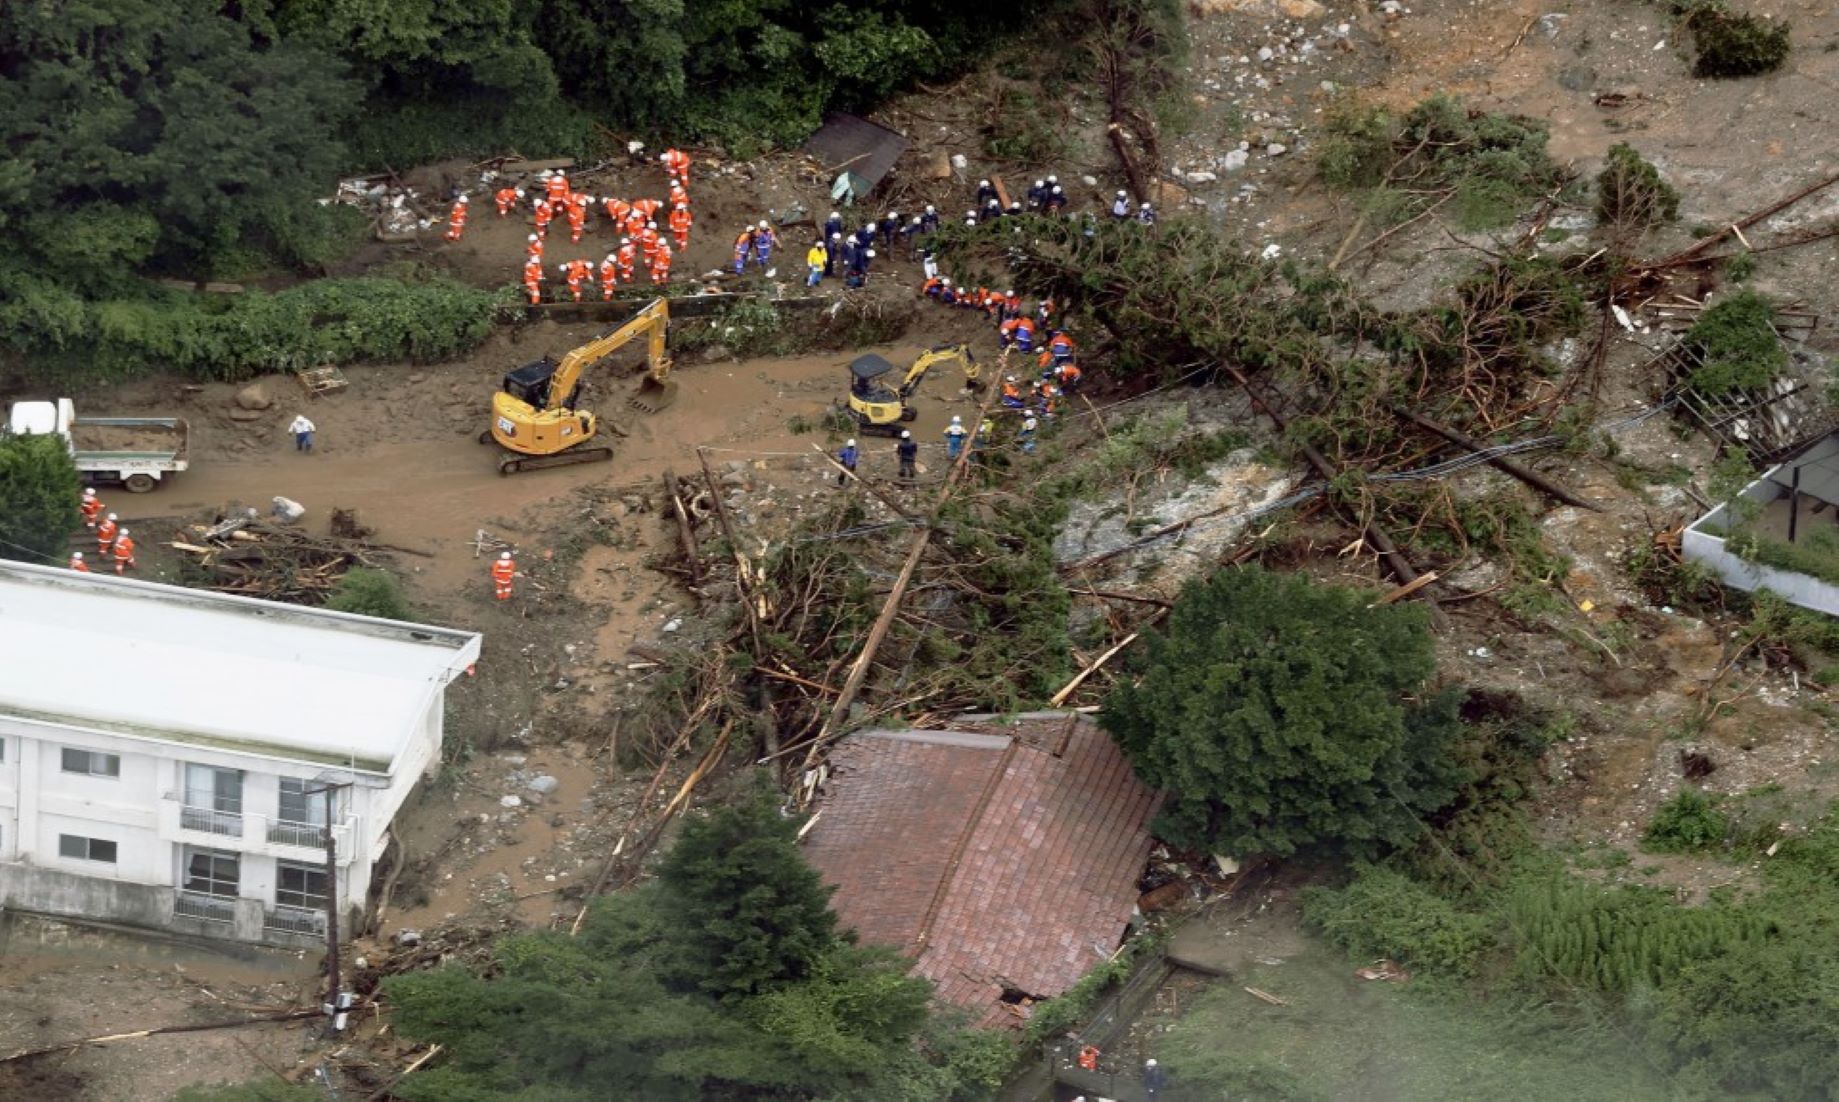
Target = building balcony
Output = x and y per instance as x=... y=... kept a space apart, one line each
x=211 y=908
x=294 y=920
x=252 y=833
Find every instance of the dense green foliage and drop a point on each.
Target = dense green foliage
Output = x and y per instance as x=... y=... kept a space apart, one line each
x=1737 y=341
x=369 y=592
x=1690 y=822
x=1735 y=996
x=1282 y=715
x=1733 y=44
x=1631 y=193
x=726 y=978
x=39 y=488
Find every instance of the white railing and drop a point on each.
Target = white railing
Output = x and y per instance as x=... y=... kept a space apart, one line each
x=283 y=833
x=294 y=920
x=212 y=908
x=211 y=822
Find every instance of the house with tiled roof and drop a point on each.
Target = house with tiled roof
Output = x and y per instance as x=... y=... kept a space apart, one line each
x=1004 y=858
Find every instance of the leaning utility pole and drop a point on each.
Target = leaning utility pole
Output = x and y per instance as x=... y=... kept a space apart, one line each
x=333 y=1009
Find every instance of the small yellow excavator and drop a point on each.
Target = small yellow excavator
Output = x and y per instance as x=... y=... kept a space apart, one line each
x=880 y=409
x=536 y=414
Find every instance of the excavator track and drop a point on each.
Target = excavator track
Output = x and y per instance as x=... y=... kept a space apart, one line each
x=518 y=464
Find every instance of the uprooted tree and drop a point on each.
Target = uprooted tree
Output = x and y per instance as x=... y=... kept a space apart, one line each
x=1282 y=715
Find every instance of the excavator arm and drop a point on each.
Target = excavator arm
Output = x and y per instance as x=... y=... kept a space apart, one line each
x=942 y=354
x=652 y=321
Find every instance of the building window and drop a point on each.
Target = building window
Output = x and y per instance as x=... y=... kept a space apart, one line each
x=85 y=849
x=211 y=872
x=298 y=885
x=92 y=763
x=298 y=807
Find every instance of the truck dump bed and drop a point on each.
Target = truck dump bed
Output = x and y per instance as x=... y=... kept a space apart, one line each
x=142 y=437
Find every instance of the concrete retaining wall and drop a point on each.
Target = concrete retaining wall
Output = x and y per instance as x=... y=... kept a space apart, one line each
x=55 y=892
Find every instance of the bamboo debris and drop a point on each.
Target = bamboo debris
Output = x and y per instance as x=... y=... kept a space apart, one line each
x=259 y=558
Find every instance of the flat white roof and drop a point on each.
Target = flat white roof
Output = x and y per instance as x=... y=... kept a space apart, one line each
x=162 y=662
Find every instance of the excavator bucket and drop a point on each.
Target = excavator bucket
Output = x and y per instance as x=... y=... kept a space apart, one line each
x=653 y=394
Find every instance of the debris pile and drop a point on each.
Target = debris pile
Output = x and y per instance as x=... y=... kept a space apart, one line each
x=247 y=554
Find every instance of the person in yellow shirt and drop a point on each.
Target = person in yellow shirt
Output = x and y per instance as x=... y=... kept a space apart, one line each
x=815 y=258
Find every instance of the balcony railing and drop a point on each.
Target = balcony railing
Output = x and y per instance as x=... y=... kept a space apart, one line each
x=294 y=920
x=211 y=908
x=283 y=833
x=211 y=822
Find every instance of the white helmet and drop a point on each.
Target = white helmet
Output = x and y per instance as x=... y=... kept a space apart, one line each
x=871 y=254
x=76 y=554
x=561 y=267
x=650 y=225
x=983 y=183
x=905 y=435
x=945 y=282
x=930 y=210
x=664 y=156
x=609 y=259
x=1121 y=195
x=683 y=206
x=850 y=443
x=1145 y=206
x=1040 y=183
x=545 y=174
x=463 y=199
x=1058 y=190
x=836 y=237
x=533 y=237
x=504 y=555
x=763 y=225
x=111 y=516
x=955 y=419
x=520 y=193
x=893 y=216
x=89 y=491
x=836 y=216
x=1009 y=294
x=1053 y=179
x=124 y=531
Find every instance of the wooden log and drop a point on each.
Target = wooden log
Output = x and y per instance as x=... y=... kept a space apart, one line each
x=1406 y=590
x=1098 y=663
x=743 y=578
x=1500 y=462
x=685 y=532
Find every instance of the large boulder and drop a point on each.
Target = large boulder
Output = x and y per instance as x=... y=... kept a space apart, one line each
x=254 y=396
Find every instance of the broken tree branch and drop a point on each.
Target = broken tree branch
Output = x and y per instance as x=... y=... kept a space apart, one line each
x=1536 y=481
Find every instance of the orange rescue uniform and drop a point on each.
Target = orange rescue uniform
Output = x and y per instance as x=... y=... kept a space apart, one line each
x=124 y=554
x=503 y=570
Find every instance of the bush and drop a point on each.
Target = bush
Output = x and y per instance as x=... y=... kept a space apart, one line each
x=1383 y=913
x=39 y=488
x=368 y=592
x=229 y=338
x=1735 y=44
x=1630 y=192
x=1737 y=341
x=1690 y=822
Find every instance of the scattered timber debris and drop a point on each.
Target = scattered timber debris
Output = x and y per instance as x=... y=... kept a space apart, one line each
x=252 y=556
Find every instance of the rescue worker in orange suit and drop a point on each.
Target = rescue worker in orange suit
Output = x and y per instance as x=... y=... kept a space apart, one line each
x=678 y=195
x=1068 y=375
x=124 y=553
x=1059 y=347
x=534 y=250
x=617 y=211
x=743 y=244
x=626 y=258
x=557 y=189
x=660 y=264
x=1012 y=393
x=764 y=239
x=503 y=570
x=507 y=198
x=677 y=163
x=576 y=208
x=91 y=506
x=646 y=210
x=1018 y=332
x=456 y=221
x=544 y=212
x=577 y=272
x=680 y=225
x=77 y=564
x=105 y=534
x=609 y=278
x=533 y=280
x=649 y=243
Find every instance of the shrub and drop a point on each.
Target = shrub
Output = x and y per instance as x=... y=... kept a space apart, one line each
x=1735 y=44
x=1690 y=822
x=1384 y=913
x=39 y=488
x=1737 y=341
x=1630 y=192
x=368 y=592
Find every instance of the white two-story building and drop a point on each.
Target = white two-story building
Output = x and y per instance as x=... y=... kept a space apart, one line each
x=166 y=753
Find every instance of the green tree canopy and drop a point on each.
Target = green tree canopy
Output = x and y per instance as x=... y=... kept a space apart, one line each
x=724 y=978
x=1283 y=715
x=39 y=488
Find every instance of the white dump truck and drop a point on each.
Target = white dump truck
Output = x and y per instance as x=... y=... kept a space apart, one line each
x=136 y=452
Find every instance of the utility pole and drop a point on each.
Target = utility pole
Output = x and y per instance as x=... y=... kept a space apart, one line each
x=334 y=1004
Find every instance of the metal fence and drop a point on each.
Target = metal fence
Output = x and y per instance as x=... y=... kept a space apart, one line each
x=295 y=834
x=211 y=822
x=211 y=908
x=294 y=920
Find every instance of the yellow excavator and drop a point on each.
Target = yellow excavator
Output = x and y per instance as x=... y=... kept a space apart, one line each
x=879 y=408
x=537 y=416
